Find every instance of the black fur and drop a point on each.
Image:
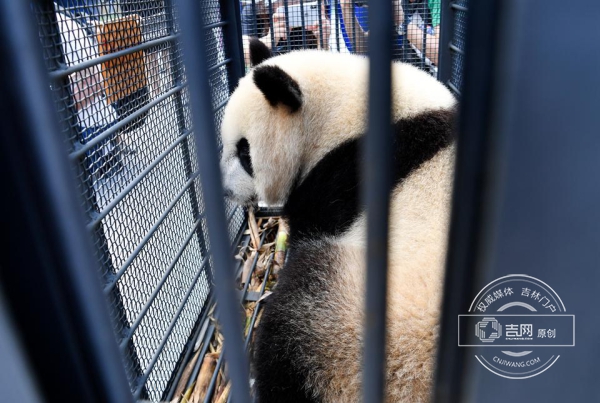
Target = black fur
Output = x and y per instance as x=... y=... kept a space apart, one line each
x=325 y=203
x=278 y=87
x=243 y=153
x=284 y=339
x=328 y=201
x=259 y=52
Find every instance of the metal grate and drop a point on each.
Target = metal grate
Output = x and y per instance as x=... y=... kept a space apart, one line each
x=342 y=26
x=120 y=88
x=63 y=323
x=457 y=45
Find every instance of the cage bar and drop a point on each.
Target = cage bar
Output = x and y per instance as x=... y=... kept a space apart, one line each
x=378 y=183
x=53 y=245
x=64 y=71
x=97 y=217
x=160 y=37
x=445 y=70
x=467 y=215
x=213 y=195
x=529 y=153
x=16 y=381
x=232 y=41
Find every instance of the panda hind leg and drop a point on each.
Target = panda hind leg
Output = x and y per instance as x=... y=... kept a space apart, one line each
x=278 y=376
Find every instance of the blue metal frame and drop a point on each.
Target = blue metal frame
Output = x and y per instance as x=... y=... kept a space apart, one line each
x=542 y=192
x=208 y=162
x=526 y=195
x=57 y=309
x=376 y=193
x=465 y=241
x=52 y=283
x=232 y=41
x=447 y=49
x=16 y=381
x=446 y=33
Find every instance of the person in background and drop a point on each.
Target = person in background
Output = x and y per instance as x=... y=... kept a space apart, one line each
x=254 y=17
x=423 y=18
x=94 y=114
x=361 y=33
x=425 y=21
x=87 y=8
x=279 y=42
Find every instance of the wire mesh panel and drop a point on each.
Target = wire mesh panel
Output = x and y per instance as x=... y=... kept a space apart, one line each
x=120 y=88
x=342 y=26
x=457 y=45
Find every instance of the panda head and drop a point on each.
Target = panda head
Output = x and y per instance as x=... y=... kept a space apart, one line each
x=291 y=110
x=262 y=133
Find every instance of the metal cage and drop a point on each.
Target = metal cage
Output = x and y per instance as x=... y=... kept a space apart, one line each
x=118 y=82
x=112 y=159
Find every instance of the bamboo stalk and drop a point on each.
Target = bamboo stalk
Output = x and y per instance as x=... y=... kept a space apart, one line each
x=271 y=252
x=223 y=397
x=188 y=393
x=280 y=247
x=206 y=370
x=185 y=376
x=253 y=229
x=247 y=267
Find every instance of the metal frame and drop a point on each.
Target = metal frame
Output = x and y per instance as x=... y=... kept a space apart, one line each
x=232 y=41
x=16 y=381
x=376 y=194
x=467 y=220
x=59 y=78
x=446 y=33
x=447 y=49
x=190 y=14
x=526 y=194
x=66 y=322
x=62 y=314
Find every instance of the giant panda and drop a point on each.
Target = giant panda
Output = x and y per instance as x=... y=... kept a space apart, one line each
x=291 y=136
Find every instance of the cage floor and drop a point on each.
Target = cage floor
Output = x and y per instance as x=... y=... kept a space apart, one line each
x=261 y=254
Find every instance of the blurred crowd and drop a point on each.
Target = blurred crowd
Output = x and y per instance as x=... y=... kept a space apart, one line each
x=339 y=25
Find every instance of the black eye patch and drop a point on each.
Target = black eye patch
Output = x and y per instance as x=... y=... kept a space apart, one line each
x=243 y=153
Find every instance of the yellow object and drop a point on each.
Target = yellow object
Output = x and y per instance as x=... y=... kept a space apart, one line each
x=126 y=74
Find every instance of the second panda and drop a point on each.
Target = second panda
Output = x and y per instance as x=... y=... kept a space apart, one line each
x=292 y=135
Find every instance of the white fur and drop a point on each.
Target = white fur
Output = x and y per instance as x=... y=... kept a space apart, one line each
x=334 y=88
x=237 y=178
x=418 y=229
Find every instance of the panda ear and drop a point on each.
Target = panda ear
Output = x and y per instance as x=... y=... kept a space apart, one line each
x=259 y=52
x=278 y=87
